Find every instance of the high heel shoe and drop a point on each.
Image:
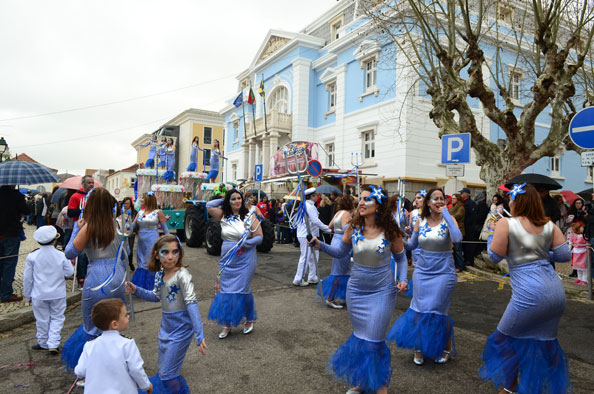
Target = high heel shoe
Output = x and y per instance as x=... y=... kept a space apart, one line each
x=225 y=333
x=445 y=357
x=418 y=360
x=247 y=330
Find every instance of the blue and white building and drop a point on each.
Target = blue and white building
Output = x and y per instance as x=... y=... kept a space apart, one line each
x=337 y=84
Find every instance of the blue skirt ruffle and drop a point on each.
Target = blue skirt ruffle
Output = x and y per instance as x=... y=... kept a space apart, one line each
x=362 y=363
x=150 y=163
x=168 y=176
x=73 y=348
x=173 y=386
x=334 y=287
x=230 y=309
x=536 y=366
x=427 y=332
x=143 y=278
x=192 y=167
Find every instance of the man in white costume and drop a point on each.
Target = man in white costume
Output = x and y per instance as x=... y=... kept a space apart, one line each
x=309 y=256
x=44 y=287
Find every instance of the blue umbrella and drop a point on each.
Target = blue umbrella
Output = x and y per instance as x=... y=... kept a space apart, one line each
x=327 y=189
x=16 y=172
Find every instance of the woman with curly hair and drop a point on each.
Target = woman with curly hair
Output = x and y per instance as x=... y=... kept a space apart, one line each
x=363 y=361
x=426 y=327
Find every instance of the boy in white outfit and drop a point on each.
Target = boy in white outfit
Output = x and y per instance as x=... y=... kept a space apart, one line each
x=44 y=287
x=111 y=363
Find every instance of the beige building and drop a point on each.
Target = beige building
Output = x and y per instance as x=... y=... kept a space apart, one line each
x=121 y=183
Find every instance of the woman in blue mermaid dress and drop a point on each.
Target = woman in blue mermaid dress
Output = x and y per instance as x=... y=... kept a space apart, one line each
x=234 y=303
x=147 y=221
x=152 y=153
x=523 y=354
x=426 y=327
x=180 y=321
x=101 y=244
x=363 y=361
x=334 y=285
x=194 y=154
x=169 y=174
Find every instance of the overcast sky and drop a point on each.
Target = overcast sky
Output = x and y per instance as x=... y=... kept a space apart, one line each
x=61 y=55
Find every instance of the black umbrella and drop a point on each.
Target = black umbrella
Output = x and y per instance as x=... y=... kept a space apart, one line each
x=586 y=194
x=534 y=179
x=327 y=189
x=57 y=195
x=255 y=193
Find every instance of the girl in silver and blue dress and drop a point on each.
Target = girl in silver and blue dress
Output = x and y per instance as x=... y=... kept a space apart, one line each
x=147 y=222
x=334 y=285
x=426 y=327
x=523 y=354
x=363 y=361
x=98 y=238
x=180 y=321
x=241 y=233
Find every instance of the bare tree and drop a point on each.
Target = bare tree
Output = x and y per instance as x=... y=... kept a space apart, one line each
x=502 y=53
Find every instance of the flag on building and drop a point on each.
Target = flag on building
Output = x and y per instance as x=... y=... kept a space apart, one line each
x=261 y=90
x=239 y=100
x=251 y=97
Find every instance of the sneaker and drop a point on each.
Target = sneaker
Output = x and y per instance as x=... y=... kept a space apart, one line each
x=313 y=281
x=12 y=298
x=54 y=351
x=302 y=283
x=38 y=348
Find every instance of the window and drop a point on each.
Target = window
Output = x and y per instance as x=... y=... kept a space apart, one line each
x=279 y=100
x=207 y=139
x=589 y=173
x=332 y=96
x=335 y=24
x=370 y=74
x=556 y=166
x=515 y=78
x=368 y=145
x=505 y=12
x=206 y=157
x=132 y=181
x=331 y=152
x=234 y=170
x=236 y=131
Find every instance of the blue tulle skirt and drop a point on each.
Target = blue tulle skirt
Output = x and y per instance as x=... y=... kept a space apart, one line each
x=362 y=363
x=231 y=309
x=427 y=332
x=146 y=239
x=212 y=174
x=173 y=386
x=150 y=163
x=334 y=287
x=73 y=348
x=143 y=278
x=192 y=167
x=168 y=176
x=528 y=366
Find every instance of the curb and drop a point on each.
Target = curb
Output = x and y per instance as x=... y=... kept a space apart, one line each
x=22 y=316
x=570 y=289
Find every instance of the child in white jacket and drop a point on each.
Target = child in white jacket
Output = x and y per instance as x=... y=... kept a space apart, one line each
x=44 y=287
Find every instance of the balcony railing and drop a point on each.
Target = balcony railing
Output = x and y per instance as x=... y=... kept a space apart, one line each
x=275 y=121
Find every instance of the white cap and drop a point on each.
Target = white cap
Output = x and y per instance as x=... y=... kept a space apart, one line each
x=45 y=234
x=309 y=191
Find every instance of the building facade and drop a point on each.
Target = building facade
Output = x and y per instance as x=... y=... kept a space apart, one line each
x=338 y=84
x=121 y=183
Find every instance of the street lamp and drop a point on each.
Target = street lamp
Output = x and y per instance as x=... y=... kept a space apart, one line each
x=3 y=148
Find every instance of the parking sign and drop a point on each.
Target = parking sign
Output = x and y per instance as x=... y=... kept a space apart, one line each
x=455 y=148
x=258 y=173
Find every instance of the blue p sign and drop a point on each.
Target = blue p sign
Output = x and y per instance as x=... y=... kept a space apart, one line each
x=455 y=148
x=258 y=173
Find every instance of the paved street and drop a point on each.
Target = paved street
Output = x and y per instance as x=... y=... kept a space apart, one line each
x=294 y=336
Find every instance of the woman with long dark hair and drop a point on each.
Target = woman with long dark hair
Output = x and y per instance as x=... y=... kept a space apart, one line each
x=96 y=235
x=169 y=175
x=194 y=154
x=523 y=354
x=241 y=232
x=363 y=361
x=334 y=285
x=426 y=327
x=147 y=222
x=214 y=161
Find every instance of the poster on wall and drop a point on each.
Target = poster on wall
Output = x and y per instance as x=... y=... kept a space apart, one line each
x=277 y=161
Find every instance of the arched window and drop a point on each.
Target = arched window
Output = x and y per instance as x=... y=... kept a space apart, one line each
x=279 y=100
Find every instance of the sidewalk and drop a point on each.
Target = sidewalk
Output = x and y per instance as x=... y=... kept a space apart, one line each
x=15 y=314
x=484 y=269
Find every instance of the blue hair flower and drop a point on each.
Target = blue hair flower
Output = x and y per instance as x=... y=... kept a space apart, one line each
x=423 y=192
x=377 y=193
x=150 y=193
x=517 y=189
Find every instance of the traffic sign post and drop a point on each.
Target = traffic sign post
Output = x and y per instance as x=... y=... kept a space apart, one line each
x=455 y=148
x=455 y=170
x=258 y=177
x=587 y=158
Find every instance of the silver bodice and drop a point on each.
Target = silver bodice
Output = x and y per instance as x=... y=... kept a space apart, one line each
x=337 y=223
x=414 y=216
x=434 y=239
x=373 y=252
x=232 y=228
x=150 y=220
x=107 y=253
x=175 y=293
x=524 y=247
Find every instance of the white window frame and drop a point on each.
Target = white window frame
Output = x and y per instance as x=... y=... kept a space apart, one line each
x=556 y=166
x=234 y=170
x=236 y=131
x=589 y=173
x=505 y=12
x=331 y=87
x=368 y=143
x=368 y=51
x=277 y=100
x=515 y=75
x=330 y=148
x=336 y=24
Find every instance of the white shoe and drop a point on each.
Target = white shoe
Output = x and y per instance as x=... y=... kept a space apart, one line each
x=225 y=333
x=247 y=330
x=445 y=357
x=313 y=281
x=334 y=305
x=354 y=390
x=302 y=283
x=80 y=383
x=418 y=360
